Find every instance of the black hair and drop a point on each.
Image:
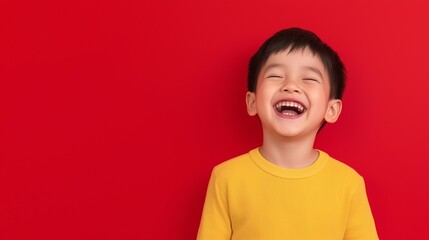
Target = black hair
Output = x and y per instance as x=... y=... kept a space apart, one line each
x=299 y=39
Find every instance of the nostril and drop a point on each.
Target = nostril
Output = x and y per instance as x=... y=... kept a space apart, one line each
x=288 y=89
x=290 y=86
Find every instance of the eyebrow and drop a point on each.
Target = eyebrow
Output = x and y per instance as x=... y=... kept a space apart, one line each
x=312 y=69
x=274 y=65
x=315 y=70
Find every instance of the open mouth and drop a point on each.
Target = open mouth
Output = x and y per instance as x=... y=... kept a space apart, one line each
x=289 y=108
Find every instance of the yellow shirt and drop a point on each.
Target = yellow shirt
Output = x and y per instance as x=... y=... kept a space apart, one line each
x=250 y=198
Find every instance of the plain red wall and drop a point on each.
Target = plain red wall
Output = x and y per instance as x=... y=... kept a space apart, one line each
x=113 y=113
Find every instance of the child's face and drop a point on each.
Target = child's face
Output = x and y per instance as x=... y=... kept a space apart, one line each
x=292 y=95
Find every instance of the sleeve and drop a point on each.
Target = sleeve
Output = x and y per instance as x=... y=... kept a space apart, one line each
x=215 y=221
x=361 y=224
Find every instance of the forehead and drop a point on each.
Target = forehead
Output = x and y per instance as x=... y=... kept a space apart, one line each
x=297 y=58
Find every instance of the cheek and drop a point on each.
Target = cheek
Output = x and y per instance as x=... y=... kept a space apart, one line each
x=320 y=99
x=322 y=92
x=265 y=88
x=327 y=89
x=264 y=96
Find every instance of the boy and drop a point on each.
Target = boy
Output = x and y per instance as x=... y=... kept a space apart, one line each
x=285 y=189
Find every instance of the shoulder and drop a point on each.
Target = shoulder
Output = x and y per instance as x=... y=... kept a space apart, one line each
x=342 y=178
x=341 y=170
x=233 y=164
x=234 y=168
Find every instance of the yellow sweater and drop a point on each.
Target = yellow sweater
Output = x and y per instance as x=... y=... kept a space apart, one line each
x=250 y=198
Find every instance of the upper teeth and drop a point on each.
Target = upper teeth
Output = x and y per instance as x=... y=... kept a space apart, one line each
x=289 y=104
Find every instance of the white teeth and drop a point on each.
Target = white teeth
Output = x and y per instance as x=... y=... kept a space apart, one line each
x=297 y=105
x=290 y=104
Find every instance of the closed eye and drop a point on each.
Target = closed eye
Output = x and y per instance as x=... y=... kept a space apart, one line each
x=274 y=76
x=311 y=79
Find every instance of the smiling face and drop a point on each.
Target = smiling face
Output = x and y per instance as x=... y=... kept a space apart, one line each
x=292 y=95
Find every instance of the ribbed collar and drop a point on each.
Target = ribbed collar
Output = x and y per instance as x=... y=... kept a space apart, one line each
x=282 y=172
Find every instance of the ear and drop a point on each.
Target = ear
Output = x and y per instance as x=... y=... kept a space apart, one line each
x=251 y=103
x=333 y=111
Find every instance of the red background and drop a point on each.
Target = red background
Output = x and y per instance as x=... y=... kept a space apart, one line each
x=114 y=113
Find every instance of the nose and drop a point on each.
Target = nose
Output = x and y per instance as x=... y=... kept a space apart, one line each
x=290 y=86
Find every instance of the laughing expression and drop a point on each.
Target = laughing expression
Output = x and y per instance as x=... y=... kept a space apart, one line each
x=292 y=94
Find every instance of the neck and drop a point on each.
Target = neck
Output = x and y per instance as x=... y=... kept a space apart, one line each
x=289 y=153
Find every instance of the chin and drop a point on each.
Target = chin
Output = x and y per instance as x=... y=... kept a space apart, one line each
x=289 y=133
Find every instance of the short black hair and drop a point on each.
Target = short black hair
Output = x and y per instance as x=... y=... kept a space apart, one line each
x=299 y=39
